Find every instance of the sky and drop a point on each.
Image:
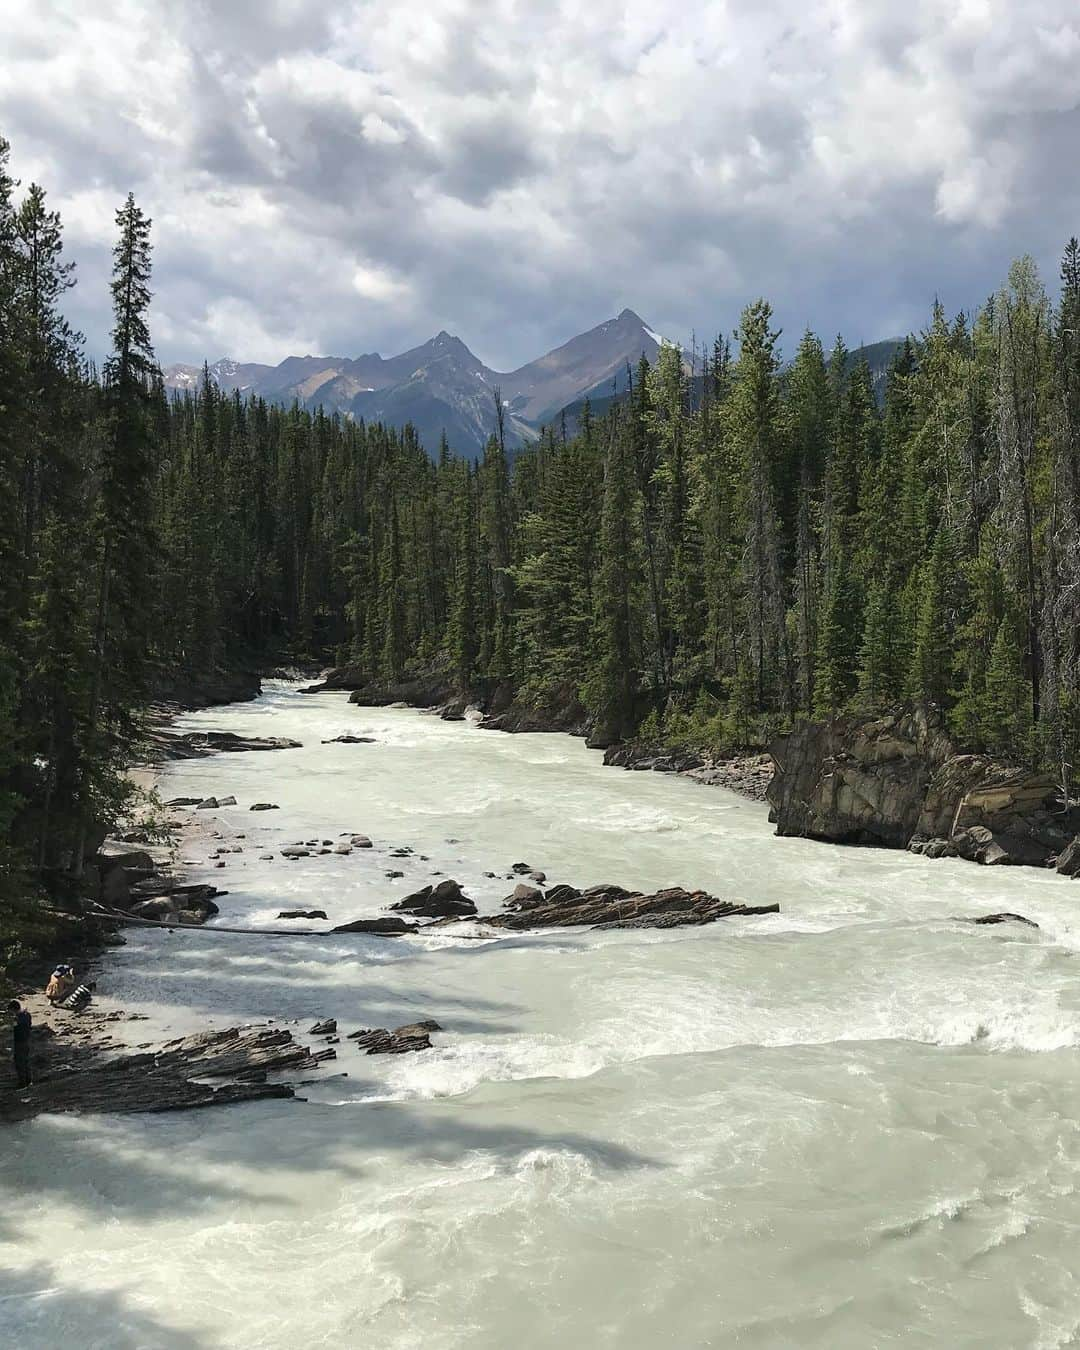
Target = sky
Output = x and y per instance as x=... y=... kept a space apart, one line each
x=347 y=177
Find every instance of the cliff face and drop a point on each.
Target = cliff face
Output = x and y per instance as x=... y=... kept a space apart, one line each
x=897 y=781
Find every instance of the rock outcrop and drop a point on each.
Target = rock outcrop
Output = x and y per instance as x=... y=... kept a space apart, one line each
x=443 y=901
x=609 y=906
x=898 y=782
x=199 y=744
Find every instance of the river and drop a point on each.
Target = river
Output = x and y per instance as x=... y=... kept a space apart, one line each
x=851 y=1124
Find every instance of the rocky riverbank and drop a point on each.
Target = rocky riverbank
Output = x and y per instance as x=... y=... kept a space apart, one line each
x=898 y=781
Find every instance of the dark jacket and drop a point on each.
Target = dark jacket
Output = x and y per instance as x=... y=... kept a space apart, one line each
x=20 y=1029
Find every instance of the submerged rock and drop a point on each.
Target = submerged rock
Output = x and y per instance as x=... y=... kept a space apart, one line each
x=302 y=914
x=385 y=926
x=263 y=806
x=1005 y=916
x=350 y=740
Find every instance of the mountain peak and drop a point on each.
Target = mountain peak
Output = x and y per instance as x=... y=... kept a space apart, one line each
x=632 y=317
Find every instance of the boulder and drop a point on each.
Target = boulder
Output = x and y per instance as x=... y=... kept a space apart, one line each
x=207 y=804
x=361 y=841
x=443 y=901
x=183 y=801
x=379 y=1041
x=350 y=740
x=386 y=926
x=325 y=1028
x=524 y=897
x=226 y=801
x=263 y=806
x=295 y=851
x=302 y=914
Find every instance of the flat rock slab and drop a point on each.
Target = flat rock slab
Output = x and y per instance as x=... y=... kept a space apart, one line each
x=173 y=1077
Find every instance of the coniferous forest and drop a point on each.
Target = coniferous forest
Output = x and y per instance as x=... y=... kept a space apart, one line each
x=748 y=538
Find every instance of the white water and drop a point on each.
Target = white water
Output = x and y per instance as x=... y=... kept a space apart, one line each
x=849 y=1125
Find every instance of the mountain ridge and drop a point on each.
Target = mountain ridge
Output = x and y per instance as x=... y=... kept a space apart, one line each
x=440 y=386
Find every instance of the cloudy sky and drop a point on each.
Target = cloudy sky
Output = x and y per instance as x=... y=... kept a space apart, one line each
x=354 y=175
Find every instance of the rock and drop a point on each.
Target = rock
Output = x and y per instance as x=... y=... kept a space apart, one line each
x=295 y=851
x=183 y=801
x=199 y=744
x=387 y=926
x=266 y=857
x=522 y=869
x=401 y=853
x=379 y=1041
x=263 y=806
x=360 y=841
x=393 y=876
x=326 y=1028
x=162 y=909
x=1004 y=917
x=302 y=914
x=207 y=804
x=896 y=780
x=350 y=740
x=489 y=874
x=443 y=901
x=538 y=876
x=610 y=906
x=1068 y=863
x=524 y=897
x=226 y=801
x=344 y=849
x=324 y=851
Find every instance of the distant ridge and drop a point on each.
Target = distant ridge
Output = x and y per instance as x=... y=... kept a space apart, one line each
x=441 y=386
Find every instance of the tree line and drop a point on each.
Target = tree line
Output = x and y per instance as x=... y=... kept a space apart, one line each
x=734 y=545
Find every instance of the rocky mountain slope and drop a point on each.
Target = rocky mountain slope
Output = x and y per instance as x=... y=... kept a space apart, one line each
x=441 y=386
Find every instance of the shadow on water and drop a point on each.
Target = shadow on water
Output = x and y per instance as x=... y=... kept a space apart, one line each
x=37 y=1310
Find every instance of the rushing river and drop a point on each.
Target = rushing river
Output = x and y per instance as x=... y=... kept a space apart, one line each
x=851 y=1124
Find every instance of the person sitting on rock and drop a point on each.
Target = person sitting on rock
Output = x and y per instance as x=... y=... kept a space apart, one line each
x=61 y=983
x=20 y=1042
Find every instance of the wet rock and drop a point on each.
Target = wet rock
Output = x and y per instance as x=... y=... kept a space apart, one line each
x=263 y=806
x=183 y=801
x=199 y=744
x=360 y=841
x=522 y=869
x=393 y=876
x=443 y=901
x=207 y=804
x=537 y=876
x=302 y=914
x=295 y=851
x=343 y=849
x=226 y=801
x=325 y=1028
x=1004 y=917
x=524 y=897
x=386 y=926
x=610 y=906
x=401 y=853
x=379 y=1041
x=324 y=851
x=266 y=857
x=350 y=740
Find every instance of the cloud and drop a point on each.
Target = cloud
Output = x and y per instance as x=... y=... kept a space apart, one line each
x=351 y=177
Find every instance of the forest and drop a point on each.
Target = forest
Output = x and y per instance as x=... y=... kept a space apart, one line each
x=742 y=541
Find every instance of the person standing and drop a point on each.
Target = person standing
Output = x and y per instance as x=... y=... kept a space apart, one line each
x=20 y=1042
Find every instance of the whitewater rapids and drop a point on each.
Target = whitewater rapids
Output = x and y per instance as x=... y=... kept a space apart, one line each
x=852 y=1124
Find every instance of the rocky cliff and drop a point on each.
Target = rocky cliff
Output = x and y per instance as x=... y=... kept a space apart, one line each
x=897 y=781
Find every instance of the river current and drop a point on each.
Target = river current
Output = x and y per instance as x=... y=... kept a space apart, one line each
x=851 y=1124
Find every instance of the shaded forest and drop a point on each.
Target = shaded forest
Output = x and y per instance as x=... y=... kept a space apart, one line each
x=726 y=550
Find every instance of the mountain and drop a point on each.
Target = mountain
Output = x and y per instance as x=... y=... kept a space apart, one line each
x=441 y=386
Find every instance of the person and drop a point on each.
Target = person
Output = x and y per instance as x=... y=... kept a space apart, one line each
x=61 y=982
x=20 y=1042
